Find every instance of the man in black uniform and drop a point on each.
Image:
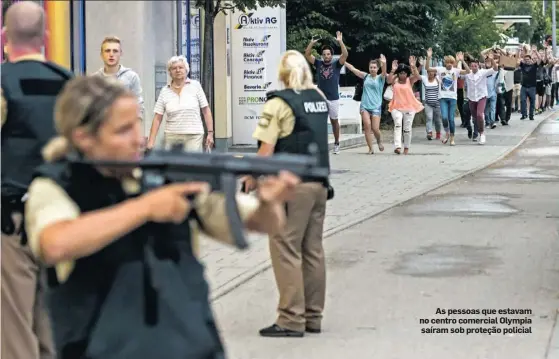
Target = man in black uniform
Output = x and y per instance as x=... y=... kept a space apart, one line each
x=292 y=120
x=30 y=85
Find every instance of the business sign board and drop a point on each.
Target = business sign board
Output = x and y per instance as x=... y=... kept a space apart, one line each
x=256 y=48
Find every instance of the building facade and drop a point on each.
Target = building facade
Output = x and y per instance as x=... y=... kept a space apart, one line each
x=153 y=31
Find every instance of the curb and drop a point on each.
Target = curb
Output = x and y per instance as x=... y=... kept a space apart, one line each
x=266 y=264
x=358 y=140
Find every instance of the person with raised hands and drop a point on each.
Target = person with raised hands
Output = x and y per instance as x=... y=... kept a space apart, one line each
x=448 y=86
x=371 y=100
x=404 y=105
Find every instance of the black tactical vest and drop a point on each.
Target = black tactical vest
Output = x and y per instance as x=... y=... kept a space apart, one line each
x=144 y=296
x=30 y=88
x=311 y=124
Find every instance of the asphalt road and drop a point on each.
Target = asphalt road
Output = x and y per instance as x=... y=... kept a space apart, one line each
x=486 y=242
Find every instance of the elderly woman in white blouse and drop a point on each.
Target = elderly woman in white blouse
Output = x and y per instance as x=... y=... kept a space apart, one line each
x=182 y=100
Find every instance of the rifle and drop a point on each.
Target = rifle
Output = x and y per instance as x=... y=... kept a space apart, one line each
x=221 y=170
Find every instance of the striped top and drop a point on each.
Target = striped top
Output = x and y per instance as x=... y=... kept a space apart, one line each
x=431 y=91
x=183 y=111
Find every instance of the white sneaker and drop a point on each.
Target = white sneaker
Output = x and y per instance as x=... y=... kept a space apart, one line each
x=336 y=149
x=482 y=139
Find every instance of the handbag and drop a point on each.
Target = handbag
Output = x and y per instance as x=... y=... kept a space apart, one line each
x=388 y=94
x=358 y=94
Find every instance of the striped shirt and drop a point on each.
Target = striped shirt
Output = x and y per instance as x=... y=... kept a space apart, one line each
x=183 y=111
x=431 y=91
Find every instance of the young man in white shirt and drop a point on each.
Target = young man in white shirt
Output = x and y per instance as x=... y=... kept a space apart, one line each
x=504 y=95
x=476 y=83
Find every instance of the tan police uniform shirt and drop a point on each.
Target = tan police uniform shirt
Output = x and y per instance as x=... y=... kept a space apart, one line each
x=277 y=121
x=4 y=104
x=48 y=204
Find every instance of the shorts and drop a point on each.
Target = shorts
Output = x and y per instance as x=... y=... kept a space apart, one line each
x=540 y=88
x=333 y=109
x=376 y=112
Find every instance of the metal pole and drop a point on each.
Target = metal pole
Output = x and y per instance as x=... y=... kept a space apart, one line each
x=179 y=26
x=553 y=28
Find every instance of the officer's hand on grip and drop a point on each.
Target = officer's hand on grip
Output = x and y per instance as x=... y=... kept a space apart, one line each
x=170 y=203
x=248 y=184
x=279 y=188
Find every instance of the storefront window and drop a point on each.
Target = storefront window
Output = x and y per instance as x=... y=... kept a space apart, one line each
x=195 y=41
x=190 y=36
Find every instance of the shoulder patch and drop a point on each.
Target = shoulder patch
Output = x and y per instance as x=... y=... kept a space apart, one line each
x=264 y=121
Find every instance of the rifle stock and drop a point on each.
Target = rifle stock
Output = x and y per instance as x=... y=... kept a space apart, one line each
x=162 y=167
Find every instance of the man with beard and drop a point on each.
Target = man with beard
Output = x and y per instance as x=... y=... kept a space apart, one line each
x=328 y=73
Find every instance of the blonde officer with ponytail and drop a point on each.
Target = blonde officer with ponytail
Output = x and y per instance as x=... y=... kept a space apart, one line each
x=293 y=119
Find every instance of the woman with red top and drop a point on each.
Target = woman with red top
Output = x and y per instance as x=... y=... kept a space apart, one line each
x=404 y=104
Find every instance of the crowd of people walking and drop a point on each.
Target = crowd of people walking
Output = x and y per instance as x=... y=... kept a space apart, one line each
x=485 y=91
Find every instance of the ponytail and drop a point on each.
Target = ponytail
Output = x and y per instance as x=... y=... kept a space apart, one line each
x=56 y=149
x=294 y=71
x=296 y=78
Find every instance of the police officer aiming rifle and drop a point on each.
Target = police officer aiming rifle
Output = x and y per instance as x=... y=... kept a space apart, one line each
x=124 y=282
x=30 y=85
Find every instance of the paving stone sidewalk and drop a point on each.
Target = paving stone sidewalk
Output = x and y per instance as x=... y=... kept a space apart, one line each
x=366 y=185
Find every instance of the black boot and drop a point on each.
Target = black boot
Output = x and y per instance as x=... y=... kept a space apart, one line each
x=276 y=331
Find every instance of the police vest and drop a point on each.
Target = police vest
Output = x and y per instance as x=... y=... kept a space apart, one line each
x=30 y=89
x=311 y=124
x=142 y=296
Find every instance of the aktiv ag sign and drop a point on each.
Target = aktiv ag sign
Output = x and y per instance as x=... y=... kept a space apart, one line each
x=248 y=20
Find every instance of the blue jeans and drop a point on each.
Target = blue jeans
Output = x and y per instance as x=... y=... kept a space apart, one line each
x=529 y=92
x=448 y=108
x=490 y=108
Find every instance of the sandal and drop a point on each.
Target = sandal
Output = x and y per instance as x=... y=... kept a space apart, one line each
x=381 y=147
x=398 y=151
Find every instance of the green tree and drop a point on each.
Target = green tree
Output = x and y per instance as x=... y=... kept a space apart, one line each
x=308 y=18
x=395 y=27
x=212 y=8
x=373 y=27
x=468 y=32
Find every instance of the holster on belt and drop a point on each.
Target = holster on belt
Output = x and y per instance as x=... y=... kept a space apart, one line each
x=11 y=206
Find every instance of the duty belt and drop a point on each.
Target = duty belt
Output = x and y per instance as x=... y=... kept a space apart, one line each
x=11 y=205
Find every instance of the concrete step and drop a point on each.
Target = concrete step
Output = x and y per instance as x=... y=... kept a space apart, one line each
x=346 y=141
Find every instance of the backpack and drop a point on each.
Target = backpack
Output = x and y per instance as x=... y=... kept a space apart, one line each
x=358 y=94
